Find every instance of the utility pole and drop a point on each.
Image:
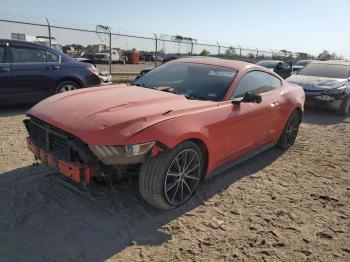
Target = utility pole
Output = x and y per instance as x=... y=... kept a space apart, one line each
x=103 y=32
x=110 y=52
x=49 y=27
x=156 y=51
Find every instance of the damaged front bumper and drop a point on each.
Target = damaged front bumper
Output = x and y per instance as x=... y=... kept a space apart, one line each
x=80 y=162
x=322 y=99
x=80 y=173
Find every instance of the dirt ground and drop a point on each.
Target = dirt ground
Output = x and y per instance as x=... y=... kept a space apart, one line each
x=128 y=68
x=278 y=206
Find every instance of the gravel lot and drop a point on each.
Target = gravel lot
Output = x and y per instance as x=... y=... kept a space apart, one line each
x=278 y=206
x=128 y=68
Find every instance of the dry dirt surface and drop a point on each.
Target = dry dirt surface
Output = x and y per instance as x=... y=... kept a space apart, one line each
x=279 y=206
x=128 y=68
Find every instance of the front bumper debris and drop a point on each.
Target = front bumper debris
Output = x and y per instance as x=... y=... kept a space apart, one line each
x=80 y=173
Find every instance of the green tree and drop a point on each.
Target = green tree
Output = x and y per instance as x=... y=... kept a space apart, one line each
x=325 y=55
x=204 y=52
x=304 y=56
x=230 y=51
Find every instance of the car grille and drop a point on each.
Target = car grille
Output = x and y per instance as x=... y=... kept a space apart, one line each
x=49 y=138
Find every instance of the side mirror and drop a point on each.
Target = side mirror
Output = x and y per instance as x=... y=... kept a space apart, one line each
x=248 y=98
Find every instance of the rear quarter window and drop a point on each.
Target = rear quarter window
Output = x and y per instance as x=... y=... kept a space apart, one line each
x=52 y=57
x=28 y=55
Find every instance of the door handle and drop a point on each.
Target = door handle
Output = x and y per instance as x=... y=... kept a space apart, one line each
x=53 y=68
x=4 y=69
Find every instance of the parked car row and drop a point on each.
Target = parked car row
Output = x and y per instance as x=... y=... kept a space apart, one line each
x=150 y=58
x=300 y=64
x=30 y=72
x=281 y=68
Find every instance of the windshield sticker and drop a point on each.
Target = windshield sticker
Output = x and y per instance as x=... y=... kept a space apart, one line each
x=222 y=74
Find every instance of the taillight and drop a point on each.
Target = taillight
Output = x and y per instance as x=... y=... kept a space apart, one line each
x=93 y=70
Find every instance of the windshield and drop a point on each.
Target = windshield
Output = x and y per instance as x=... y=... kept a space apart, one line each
x=325 y=70
x=268 y=64
x=196 y=81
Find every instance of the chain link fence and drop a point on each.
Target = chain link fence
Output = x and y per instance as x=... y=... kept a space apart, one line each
x=110 y=46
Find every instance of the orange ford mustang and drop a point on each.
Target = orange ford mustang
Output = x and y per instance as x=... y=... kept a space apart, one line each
x=176 y=125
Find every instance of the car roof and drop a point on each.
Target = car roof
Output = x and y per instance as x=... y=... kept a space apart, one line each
x=333 y=62
x=234 y=64
x=28 y=43
x=23 y=42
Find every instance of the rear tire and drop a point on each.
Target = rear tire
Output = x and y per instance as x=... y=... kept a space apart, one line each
x=344 y=107
x=66 y=86
x=163 y=180
x=290 y=130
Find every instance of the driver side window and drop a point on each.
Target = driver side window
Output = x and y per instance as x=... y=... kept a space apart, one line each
x=256 y=82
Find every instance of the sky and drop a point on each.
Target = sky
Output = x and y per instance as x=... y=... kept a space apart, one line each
x=299 y=25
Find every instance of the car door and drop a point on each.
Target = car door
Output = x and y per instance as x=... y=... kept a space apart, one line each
x=33 y=75
x=251 y=123
x=5 y=75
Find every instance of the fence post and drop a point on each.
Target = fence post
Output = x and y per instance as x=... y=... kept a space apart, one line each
x=49 y=27
x=218 y=48
x=257 y=52
x=156 y=51
x=110 y=52
x=240 y=51
x=191 y=47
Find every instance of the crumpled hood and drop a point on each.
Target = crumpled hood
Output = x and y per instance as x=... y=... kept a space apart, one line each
x=313 y=83
x=110 y=115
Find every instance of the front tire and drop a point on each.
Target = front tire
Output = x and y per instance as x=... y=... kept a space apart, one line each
x=169 y=179
x=344 y=107
x=66 y=86
x=290 y=130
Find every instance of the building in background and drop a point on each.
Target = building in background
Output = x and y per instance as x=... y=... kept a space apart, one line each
x=23 y=37
x=44 y=40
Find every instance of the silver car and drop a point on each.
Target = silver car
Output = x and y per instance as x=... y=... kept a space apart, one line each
x=326 y=84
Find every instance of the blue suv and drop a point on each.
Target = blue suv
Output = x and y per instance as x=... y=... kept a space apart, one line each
x=30 y=72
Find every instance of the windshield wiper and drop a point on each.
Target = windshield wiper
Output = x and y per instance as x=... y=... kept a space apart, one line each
x=173 y=91
x=192 y=97
x=168 y=89
x=143 y=85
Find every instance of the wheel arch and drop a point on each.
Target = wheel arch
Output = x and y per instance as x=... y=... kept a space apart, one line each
x=69 y=78
x=204 y=149
x=199 y=139
x=300 y=112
